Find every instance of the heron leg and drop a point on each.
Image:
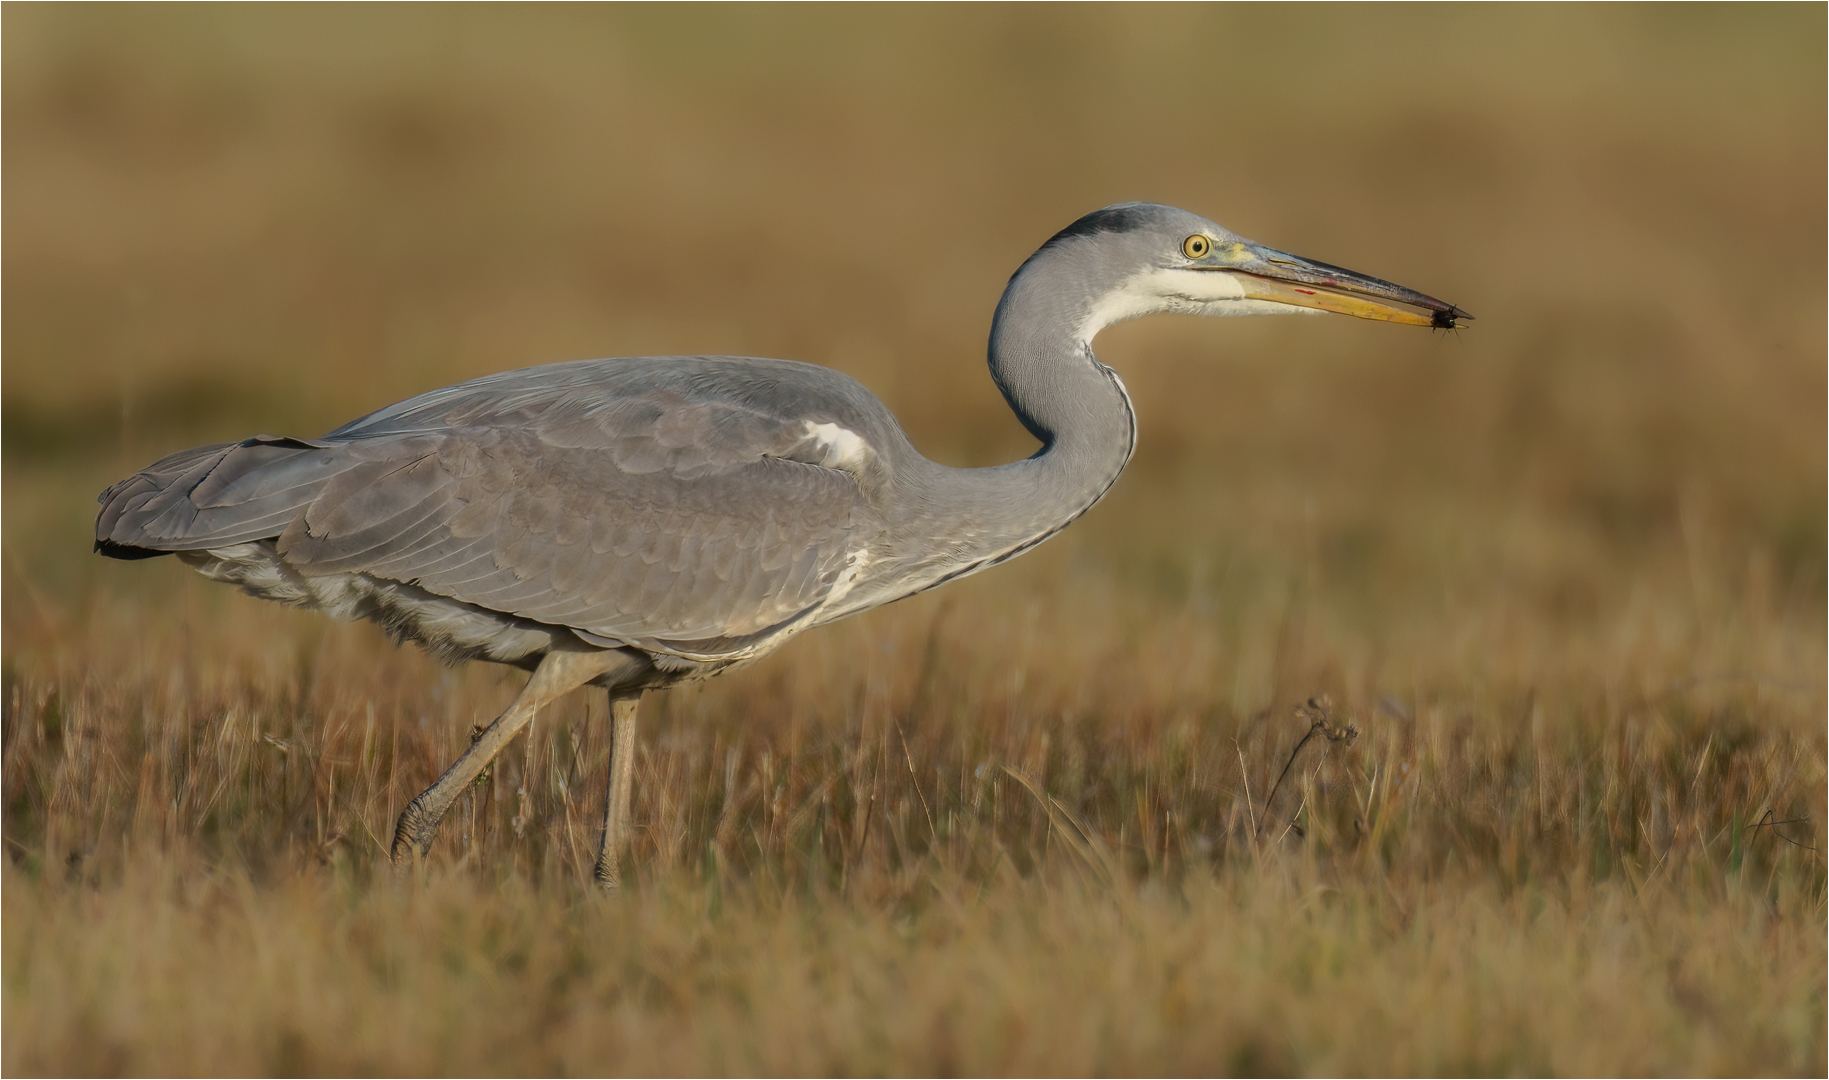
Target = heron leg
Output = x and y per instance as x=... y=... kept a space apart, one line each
x=560 y=672
x=621 y=789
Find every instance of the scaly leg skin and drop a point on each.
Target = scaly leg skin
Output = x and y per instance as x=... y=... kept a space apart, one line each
x=616 y=799
x=560 y=672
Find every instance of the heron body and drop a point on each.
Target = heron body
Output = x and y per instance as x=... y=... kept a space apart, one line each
x=638 y=523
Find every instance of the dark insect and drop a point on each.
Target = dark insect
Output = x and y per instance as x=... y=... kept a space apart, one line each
x=1448 y=320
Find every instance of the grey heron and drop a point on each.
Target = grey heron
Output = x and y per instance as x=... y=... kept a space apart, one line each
x=638 y=523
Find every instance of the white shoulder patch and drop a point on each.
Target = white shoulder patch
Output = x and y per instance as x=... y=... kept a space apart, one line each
x=838 y=447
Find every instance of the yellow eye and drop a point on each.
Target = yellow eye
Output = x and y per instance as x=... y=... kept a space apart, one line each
x=1196 y=246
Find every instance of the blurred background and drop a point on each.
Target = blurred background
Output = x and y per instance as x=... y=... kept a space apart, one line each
x=1564 y=568
x=223 y=220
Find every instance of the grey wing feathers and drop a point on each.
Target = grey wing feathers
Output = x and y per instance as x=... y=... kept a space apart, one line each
x=214 y=496
x=673 y=504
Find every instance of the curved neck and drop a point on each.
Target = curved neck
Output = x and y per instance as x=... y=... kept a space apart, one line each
x=1041 y=358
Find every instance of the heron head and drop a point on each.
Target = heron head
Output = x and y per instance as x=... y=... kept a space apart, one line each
x=1138 y=259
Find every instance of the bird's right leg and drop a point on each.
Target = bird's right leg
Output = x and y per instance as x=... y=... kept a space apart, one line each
x=617 y=797
x=560 y=672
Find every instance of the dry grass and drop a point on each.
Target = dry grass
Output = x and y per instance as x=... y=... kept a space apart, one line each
x=1564 y=572
x=837 y=874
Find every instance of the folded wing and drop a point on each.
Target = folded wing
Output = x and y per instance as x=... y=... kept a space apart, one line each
x=690 y=507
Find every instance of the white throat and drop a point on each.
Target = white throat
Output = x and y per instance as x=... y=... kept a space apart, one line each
x=1162 y=290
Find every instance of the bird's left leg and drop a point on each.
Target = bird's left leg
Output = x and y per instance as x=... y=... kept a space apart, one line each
x=560 y=672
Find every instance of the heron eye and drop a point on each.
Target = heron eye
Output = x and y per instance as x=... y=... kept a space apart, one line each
x=1196 y=246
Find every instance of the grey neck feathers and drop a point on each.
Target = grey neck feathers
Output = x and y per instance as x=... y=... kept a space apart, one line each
x=1066 y=398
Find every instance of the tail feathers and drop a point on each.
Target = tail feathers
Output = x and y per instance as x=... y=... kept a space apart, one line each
x=214 y=496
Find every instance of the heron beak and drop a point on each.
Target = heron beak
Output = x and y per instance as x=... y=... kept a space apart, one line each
x=1268 y=274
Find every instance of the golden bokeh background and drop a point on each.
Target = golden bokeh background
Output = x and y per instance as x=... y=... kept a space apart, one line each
x=222 y=220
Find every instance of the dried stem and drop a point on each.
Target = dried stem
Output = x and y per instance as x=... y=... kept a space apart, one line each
x=1318 y=711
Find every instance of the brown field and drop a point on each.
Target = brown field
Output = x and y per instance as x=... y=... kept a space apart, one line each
x=1564 y=570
